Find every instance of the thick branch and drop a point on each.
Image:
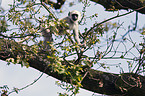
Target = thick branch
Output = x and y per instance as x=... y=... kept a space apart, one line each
x=56 y=5
x=95 y=81
x=111 y=5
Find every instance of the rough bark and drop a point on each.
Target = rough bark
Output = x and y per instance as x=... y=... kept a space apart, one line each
x=110 y=5
x=56 y=5
x=127 y=84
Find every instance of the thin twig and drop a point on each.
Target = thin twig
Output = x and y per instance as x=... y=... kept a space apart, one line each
x=107 y=21
x=27 y=85
x=48 y=9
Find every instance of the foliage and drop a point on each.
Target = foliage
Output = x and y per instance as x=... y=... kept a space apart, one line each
x=25 y=20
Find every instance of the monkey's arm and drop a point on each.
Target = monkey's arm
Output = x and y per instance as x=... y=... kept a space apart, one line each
x=76 y=35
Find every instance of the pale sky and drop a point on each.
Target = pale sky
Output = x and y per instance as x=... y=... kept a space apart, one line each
x=16 y=76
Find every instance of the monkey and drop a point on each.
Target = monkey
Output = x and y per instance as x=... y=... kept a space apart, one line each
x=71 y=22
x=47 y=35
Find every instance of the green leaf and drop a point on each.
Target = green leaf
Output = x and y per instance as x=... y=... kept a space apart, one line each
x=143 y=33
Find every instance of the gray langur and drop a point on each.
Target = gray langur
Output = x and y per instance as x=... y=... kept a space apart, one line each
x=71 y=22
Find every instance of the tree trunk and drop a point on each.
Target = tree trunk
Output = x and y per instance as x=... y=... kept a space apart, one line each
x=128 y=84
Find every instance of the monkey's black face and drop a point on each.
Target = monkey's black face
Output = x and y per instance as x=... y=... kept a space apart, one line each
x=75 y=17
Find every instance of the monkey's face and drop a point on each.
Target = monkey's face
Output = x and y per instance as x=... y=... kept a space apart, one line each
x=75 y=15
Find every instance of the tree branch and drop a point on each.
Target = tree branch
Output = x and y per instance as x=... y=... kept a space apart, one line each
x=56 y=5
x=112 y=5
x=95 y=81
